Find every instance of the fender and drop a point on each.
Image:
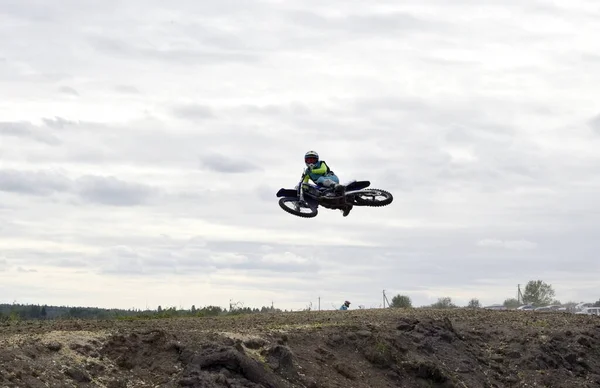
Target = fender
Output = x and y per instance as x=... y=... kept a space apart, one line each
x=287 y=193
x=357 y=185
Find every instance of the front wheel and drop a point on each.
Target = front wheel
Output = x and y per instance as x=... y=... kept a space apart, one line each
x=373 y=197
x=296 y=209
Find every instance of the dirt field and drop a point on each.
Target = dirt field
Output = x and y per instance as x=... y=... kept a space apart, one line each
x=364 y=348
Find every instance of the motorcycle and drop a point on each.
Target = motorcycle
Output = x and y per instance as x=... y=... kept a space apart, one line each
x=308 y=196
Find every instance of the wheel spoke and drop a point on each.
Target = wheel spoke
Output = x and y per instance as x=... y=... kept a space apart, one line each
x=292 y=205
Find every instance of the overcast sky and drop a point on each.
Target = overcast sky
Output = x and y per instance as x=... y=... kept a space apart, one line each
x=142 y=144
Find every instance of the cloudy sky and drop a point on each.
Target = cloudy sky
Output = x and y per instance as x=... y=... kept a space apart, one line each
x=142 y=144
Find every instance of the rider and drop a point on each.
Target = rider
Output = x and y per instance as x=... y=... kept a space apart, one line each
x=319 y=172
x=345 y=306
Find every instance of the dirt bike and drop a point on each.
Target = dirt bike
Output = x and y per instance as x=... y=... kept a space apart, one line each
x=309 y=197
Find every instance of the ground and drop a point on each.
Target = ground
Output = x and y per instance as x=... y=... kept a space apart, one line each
x=363 y=348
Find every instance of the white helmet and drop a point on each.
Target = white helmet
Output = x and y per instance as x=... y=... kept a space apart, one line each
x=311 y=158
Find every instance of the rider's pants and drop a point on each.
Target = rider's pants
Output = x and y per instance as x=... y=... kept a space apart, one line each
x=328 y=180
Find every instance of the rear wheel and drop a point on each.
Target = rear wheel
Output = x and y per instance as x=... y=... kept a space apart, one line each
x=373 y=197
x=292 y=206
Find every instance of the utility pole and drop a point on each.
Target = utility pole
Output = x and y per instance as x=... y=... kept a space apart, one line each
x=319 y=303
x=385 y=299
x=519 y=294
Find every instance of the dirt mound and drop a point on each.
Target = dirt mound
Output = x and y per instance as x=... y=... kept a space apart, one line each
x=369 y=348
x=216 y=361
x=141 y=357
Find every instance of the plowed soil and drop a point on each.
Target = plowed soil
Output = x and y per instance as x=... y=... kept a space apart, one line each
x=364 y=348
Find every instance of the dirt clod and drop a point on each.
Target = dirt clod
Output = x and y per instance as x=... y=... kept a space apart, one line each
x=78 y=375
x=54 y=346
x=255 y=343
x=363 y=333
x=281 y=359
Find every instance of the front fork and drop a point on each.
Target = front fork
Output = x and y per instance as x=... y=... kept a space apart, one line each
x=300 y=196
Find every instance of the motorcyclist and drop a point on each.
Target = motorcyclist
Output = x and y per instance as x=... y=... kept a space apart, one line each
x=345 y=306
x=319 y=172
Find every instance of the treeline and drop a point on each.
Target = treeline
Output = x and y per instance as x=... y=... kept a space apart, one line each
x=16 y=312
x=537 y=293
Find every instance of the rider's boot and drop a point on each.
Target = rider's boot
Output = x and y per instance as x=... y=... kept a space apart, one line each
x=333 y=186
x=347 y=210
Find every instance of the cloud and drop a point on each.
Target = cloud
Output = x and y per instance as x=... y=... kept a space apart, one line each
x=224 y=164
x=160 y=135
x=25 y=270
x=27 y=130
x=32 y=182
x=69 y=91
x=190 y=54
x=127 y=89
x=105 y=190
x=511 y=244
x=373 y=24
x=57 y=122
x=595 y=123
x=112 y=191
x=193 y=112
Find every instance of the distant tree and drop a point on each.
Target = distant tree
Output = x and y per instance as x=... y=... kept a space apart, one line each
x=33 y=312
x=443 y=303
x=474 y=303
x=401 y=301
x=269 y=309
x=511 y=303
x=14 y=316
x=597 y=304
x=212 y=310
x=538 y=293
x=556 y=302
